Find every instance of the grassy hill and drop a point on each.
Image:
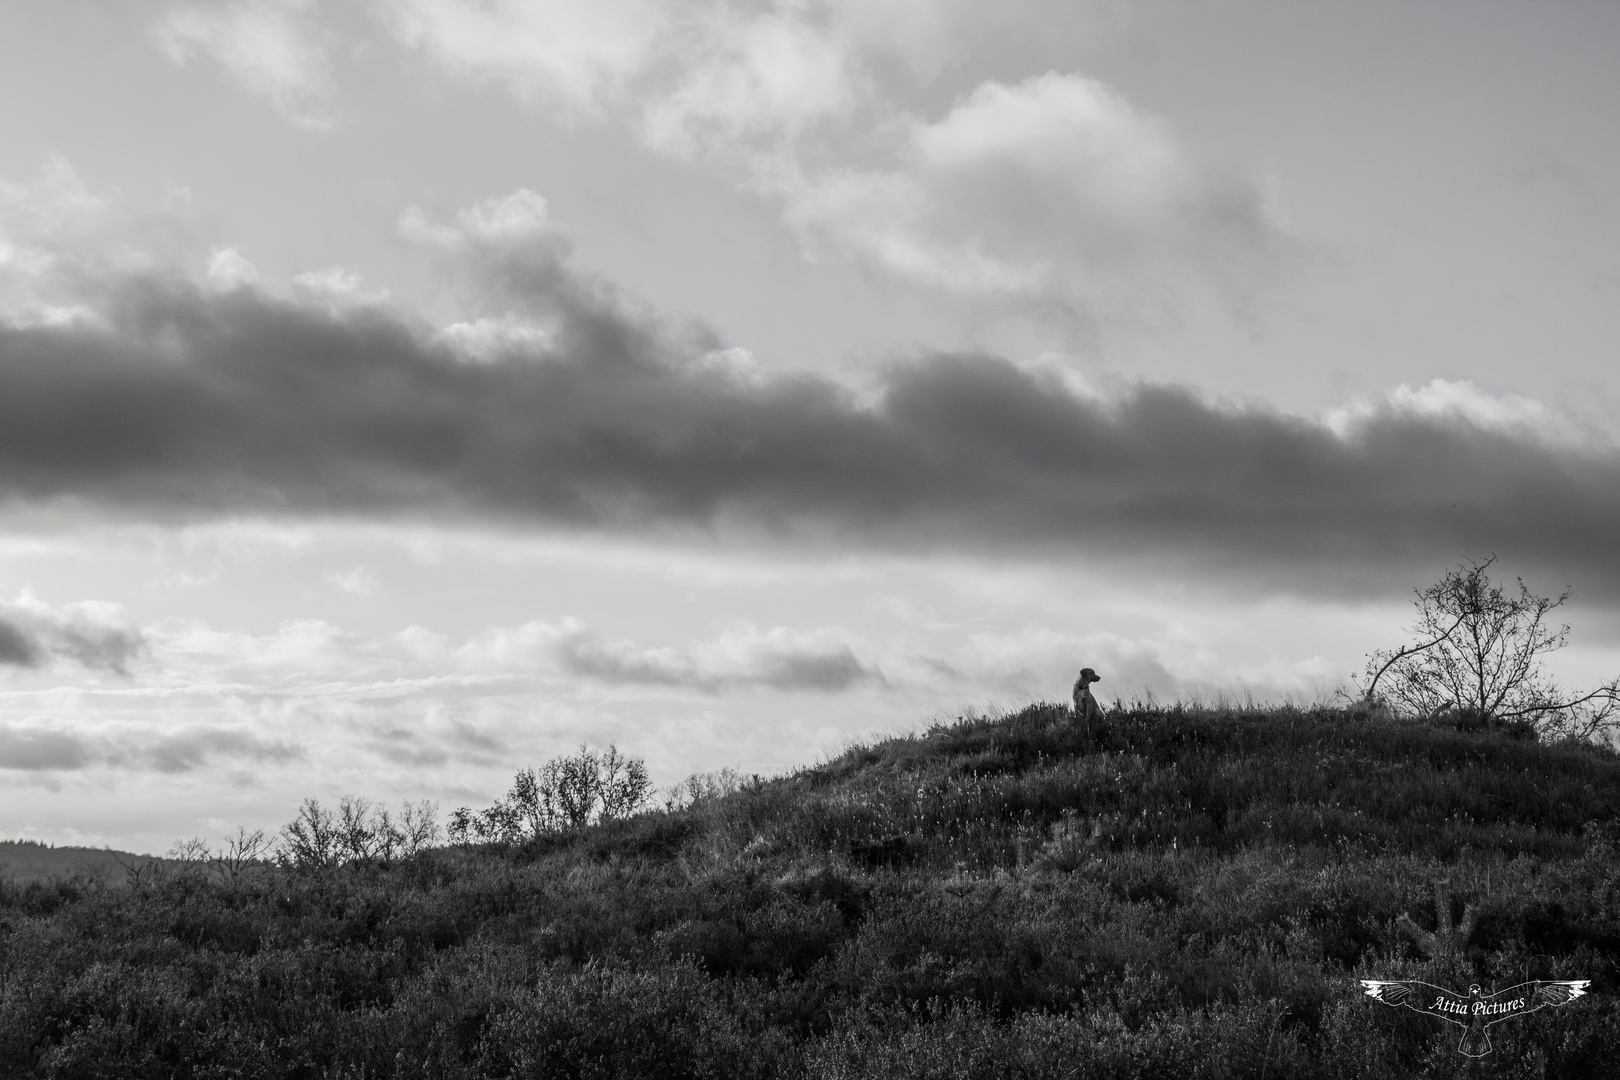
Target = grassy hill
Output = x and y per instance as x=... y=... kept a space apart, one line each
x=1191 y=894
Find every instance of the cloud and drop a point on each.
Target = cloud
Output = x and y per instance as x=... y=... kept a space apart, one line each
x=46 y=228
x=273 y=48
x=1029 y=192
x=1050 y=193
x=58 y=199
x=688 y=74
x=92 y=635
x=577 y=59
x=298 y=652
x=311 y=658
x=691 y=73
x=777 y=659
x=1461 y=401
x=742 y=658
x=771 y=77
x=193 y=747
x=230 y=269
x=336 y=286
x=17 y=648
x=510 y=252
x=358 y=580
x=62 y=238
x=214 y=698
x=35 y=749
x=582 y=411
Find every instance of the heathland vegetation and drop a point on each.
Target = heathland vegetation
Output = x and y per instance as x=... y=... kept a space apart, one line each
x=1186 y=892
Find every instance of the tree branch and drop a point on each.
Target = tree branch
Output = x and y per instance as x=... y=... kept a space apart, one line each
x=1403 y=651
x=1609 y=691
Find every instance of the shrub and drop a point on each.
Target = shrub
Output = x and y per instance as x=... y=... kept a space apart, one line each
x=566 y=793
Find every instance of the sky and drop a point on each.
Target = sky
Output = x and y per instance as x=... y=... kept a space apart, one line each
x=394 y=395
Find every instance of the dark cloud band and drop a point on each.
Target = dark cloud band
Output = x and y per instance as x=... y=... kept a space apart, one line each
x=188 y=402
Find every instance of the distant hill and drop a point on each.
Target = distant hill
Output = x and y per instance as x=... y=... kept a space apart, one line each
x=29 y=860
x=1183 y=893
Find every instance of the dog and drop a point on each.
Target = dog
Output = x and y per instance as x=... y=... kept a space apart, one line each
x=1086 y=709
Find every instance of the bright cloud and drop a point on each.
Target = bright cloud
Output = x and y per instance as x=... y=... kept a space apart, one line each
x=1463 y=402
x=571 y=57
x=521 y=220
x=770 y=78
x=1024 y=192
x=1040 y=194
x=1030 y=191
x=228 y=268
x=58 y=201
x=274 y=48
x=47 y=227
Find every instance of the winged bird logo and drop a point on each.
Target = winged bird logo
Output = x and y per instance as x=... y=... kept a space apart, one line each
x=1475 y=1011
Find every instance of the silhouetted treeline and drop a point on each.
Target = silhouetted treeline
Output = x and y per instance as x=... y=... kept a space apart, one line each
x=1191 y=894
x=29 y=860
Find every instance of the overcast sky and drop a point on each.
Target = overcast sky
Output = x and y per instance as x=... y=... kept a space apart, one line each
x=394 y=395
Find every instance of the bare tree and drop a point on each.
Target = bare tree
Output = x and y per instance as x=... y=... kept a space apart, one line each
x=419 y=826
x=188 y=853
x=312 y=840
x=565 y=793
x=501 y=823
x=625 y=785
x=534 y=796
x=459 y=829
x=390 y=838
x=140 y=871
x=701 y=787
x=359 y=838
x=1479 y=655
x=241 y=852
x=361 y=832
x=579 y=787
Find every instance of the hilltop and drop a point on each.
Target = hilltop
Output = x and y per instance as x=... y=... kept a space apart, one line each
x=1191 y=894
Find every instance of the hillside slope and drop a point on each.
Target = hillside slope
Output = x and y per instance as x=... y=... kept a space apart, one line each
x=1191 y=894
